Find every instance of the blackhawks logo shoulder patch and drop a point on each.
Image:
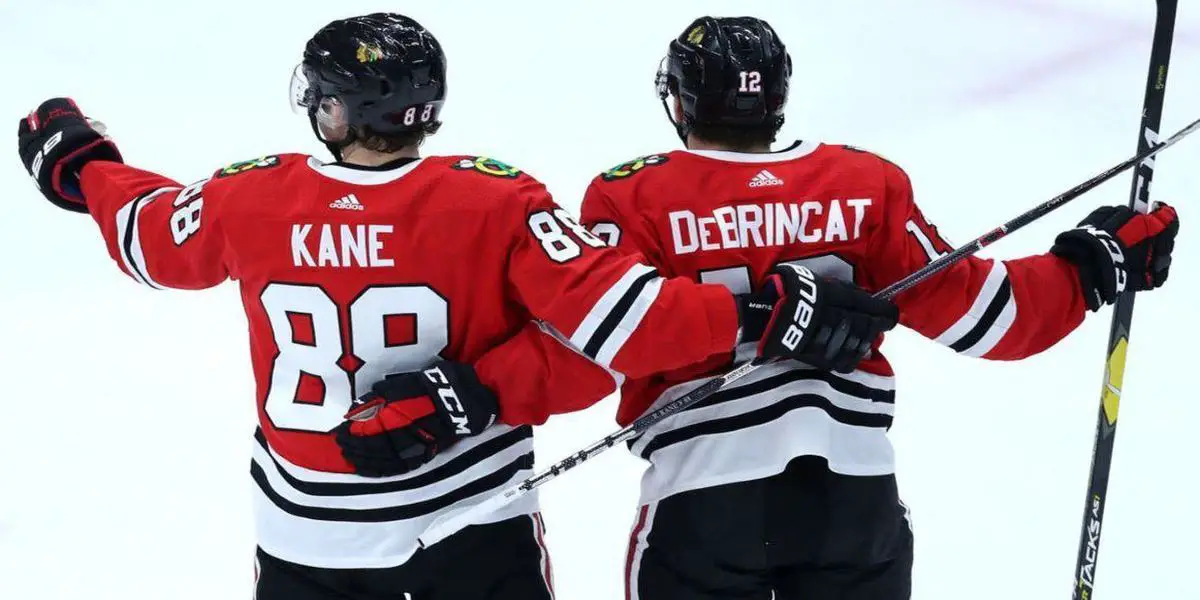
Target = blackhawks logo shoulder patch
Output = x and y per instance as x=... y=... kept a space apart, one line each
x=487 y=166
x=237 y=168
x=633 y=167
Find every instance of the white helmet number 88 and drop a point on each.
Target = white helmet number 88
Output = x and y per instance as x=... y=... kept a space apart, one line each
x=410 y=115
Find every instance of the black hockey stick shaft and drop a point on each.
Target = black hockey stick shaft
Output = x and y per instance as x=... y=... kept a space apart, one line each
x=1144 y=156
x=1118 y=337
x=455 y=521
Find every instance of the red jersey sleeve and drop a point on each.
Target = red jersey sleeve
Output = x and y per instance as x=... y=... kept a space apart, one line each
x=617 y=311
x=630 y=231
x=159 y=232
x=979 y=307
x=536 y=374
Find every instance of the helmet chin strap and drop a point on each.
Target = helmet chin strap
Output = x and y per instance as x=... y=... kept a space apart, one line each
x=680 y=130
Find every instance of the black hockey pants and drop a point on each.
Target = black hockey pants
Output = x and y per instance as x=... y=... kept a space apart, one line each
x=497 y=561
x=805 y=534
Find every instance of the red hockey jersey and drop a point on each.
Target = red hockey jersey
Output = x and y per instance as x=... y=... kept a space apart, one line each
x=726 y=217
x=348 y=274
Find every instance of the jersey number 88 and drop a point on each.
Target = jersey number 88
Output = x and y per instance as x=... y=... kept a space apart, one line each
x=317 y=351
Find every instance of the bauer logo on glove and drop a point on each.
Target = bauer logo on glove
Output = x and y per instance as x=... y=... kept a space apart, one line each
x=806 y=296
x=827 y=323
x=55 y=142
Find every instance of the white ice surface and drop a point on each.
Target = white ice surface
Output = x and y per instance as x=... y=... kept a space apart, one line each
x=127 y=413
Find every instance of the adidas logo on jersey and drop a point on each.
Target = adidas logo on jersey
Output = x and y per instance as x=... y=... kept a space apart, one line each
x=347 y=203
x=764 y=179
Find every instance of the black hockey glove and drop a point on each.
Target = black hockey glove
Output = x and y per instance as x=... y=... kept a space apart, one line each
x=827 y=323
x=1117 y=248
x=55 y=142
x=408 y=418
x=755 y=311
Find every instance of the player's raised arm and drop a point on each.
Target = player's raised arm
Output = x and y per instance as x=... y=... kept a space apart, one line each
x=156 y=229
x=1007 y=310
x=618 y=311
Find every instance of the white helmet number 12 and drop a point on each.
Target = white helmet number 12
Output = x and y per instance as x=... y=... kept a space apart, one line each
x=751 y=81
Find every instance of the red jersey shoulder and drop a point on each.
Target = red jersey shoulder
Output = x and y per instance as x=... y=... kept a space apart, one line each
x=856 y=167
x=482 y=182
x=858 y=162
x=211 y=192
x=248 y=173
x=625 y=182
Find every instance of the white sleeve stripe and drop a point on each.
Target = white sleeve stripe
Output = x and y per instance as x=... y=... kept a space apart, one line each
x=129 y=237
x=548 y=329
x=123 y=220
x=139 y=256
x=605 y=305
x=987 y=293
x=629 y=323
x=997 y=330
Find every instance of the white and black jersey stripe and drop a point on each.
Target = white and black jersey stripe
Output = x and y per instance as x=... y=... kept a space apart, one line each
x=782 y=402
x=754 y=428
x=617 y=314
x=989 y=318
x=129 y=241
x=336 y=520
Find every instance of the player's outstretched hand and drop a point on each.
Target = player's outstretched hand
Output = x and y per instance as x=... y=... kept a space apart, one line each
x=1117 y=248
x=55 y=141
x=827 y=323
x=408 y=418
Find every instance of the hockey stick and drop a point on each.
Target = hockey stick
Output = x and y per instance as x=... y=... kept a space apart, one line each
x=1118 y=337
x=452 y=522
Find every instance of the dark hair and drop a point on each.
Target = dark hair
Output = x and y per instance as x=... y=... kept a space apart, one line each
x=390 y=142
x=737 y=137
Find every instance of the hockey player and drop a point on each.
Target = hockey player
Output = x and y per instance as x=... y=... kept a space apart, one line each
x=432 y=269
x=781 y=486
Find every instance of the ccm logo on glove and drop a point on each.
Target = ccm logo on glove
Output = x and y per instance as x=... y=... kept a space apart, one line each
x=1106 y=241
x=454 y=408
x=1116 y=249
x=409 y=418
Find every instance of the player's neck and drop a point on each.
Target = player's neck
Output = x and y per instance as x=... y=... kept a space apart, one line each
x=695 y=143
x=357 y=155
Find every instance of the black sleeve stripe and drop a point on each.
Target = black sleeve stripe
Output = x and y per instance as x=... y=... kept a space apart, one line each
x=614 y=316
x=985 y=323
x=127 y=242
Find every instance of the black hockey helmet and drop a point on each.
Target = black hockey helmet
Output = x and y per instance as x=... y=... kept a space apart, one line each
x=726 y=71
x=382 y=72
